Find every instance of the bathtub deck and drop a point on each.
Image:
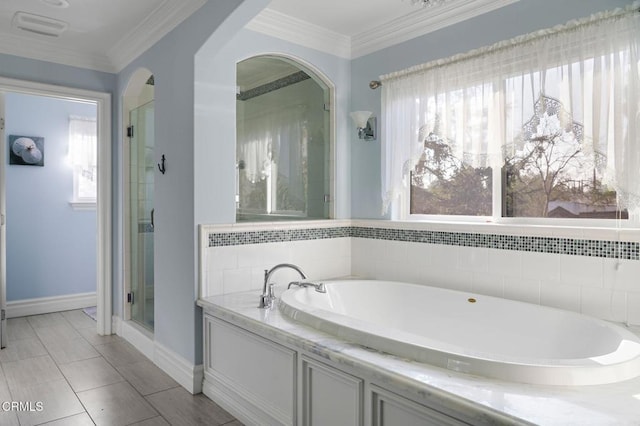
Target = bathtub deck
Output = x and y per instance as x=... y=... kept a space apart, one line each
x=506 y=402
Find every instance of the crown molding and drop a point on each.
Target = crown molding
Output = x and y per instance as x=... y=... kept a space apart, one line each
x=158 y=24
x=28 y=47
x=285 y=27
x=423 y=21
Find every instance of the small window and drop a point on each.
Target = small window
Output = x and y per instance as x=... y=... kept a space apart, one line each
x=83 y=143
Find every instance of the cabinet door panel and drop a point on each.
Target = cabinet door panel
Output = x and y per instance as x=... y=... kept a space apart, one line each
x=330 y=396
x=390 y=409
x=261 y=371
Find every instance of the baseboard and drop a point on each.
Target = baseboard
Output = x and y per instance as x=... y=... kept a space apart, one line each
x=182 y=371
x=189 y=376
x=140 y=338
x=46 y=305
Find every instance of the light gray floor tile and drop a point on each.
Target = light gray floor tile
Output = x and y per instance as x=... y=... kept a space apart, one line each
x=106 y=395
x=30 y=372
x=19 y=329
x=156 y=421
x=146 y=377
x=64 y=352
x=120 y=353
x=92 y=337
x=234 y=423
x=78 y=319
x=56 y=398
x=77 y=420
x=6 y=417
x=46 y=320
x=57 y=333
x=9 y=418
x=90 y=373
x=180 y=408
x=22 y=349
x=117 y=404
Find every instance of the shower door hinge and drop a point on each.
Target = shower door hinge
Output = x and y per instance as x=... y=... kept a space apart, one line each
x=327 y=198
x=327 y=107
x=1 y=123
x=130 y=297
x=3 y=315
x=130 y=131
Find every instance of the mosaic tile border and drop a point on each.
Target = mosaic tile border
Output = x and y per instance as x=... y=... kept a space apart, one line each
x=592 y=248
x=294 y=78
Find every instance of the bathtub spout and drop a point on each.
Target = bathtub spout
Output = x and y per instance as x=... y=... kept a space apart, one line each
x=267 y=297
x=319 y=287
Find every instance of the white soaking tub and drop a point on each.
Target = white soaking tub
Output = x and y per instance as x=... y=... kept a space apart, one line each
x=470 y=333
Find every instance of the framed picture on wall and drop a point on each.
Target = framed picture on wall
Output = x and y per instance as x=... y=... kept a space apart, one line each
x=26 y=150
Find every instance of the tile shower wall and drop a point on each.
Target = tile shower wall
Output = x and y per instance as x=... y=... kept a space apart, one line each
x=554 y=267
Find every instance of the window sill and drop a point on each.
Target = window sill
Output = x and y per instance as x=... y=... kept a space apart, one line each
x=83 y=205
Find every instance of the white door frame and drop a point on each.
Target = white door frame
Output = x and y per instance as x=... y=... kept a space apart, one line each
x=104 y=258
x=3 y=240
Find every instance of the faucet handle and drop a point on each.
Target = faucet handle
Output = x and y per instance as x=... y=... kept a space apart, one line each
x=270 y=291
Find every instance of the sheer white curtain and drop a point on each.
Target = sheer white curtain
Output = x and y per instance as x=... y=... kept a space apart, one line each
x=83 y=145
x=480 y=101
x=263 y=139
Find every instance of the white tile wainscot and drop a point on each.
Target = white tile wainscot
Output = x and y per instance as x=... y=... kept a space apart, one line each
x=366 y=377
x=240 y=267
x=594 y=284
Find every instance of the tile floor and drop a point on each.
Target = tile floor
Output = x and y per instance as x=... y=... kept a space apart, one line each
x=67 y=375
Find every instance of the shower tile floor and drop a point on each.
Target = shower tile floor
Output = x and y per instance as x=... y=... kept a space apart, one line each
x=67 y=375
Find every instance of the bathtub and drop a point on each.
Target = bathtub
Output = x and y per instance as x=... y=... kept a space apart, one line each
x=470 y=333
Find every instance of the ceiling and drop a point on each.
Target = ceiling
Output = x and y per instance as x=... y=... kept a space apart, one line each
x=104 y=35
x=107 y=35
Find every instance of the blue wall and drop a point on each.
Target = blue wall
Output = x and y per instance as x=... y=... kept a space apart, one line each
x=519 y=18
x=178 y=321
x=51 y=248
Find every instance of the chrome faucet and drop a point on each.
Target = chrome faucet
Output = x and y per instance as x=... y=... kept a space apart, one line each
x=319 y=287
x=267 y=297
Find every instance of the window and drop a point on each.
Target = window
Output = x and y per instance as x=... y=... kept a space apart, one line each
x=82 y=153
x=543 y=126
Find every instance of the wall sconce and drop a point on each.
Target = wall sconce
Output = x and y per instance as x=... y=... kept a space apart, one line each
x=366 y=124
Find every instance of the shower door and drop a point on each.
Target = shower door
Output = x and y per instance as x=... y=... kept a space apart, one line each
x=141 y=211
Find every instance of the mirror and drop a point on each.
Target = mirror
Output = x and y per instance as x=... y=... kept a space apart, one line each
x=283 y=133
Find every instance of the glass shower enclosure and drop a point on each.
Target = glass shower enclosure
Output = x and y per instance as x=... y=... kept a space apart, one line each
x=141 y=210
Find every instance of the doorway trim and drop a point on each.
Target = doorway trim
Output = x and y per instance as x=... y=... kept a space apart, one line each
x=104 y=196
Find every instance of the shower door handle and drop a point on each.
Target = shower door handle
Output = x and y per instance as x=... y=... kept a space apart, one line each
x=152 y=218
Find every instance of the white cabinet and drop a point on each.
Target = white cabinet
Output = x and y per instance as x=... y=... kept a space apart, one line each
x=264 y=382
x=255 y=375
x=389 y=409
x=330 y=396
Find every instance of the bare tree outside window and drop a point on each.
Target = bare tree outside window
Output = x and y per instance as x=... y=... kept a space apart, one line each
x=548 y=173
x=442 y=184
